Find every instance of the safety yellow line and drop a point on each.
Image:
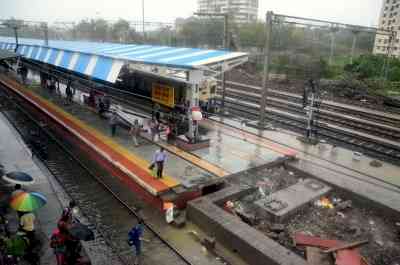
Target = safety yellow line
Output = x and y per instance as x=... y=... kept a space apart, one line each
x=167 y=180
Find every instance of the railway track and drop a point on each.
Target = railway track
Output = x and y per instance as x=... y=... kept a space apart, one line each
x=341 y=107
x=388 y=118
x=97 y=195
x=330 y=117
x=293 y=118
x=360 y=142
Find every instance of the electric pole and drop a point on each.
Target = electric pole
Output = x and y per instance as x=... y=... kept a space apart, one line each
x=267 y=60
x=226 y=45
x=144 y=32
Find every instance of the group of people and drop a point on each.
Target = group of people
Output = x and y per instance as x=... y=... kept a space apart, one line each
x=53 y=84
x=22 y=244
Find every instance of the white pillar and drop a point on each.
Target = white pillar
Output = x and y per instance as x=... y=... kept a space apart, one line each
x=195 y=77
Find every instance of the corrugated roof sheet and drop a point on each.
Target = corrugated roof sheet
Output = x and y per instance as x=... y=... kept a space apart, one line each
x=104 y=60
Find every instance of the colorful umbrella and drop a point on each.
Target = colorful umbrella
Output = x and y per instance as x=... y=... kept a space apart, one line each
x=28 y=201
x=18 y=178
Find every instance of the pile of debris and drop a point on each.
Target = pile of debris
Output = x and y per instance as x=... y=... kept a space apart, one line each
x=330 y=252
x=339 y=219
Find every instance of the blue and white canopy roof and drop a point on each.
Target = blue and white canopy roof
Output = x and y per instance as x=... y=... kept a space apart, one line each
x=104 y=60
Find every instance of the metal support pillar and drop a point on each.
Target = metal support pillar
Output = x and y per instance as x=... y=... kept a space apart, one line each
x=332 y=49
x=267 y=60
x=195 y=77
x=310 y=118
x=226 y=47
x=16 y=37
x=144 y=32
x=46 y=33
x=353 y=46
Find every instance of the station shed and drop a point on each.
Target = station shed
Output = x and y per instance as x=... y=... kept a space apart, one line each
x=104 y=61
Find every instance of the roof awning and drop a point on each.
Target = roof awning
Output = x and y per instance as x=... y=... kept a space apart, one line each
x=105 y=60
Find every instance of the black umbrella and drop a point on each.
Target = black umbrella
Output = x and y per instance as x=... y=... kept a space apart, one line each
x=81 y=232
x=18 y=178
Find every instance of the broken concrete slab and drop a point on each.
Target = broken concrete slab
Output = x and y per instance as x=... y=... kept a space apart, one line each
x=284 y=203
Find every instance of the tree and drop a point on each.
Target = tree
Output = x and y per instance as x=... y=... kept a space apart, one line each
x=252 y=34
x=121 y=31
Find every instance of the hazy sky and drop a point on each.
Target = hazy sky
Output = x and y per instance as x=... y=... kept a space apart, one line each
x=364 y=12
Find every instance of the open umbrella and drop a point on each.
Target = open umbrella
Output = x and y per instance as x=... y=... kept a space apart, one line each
x=18 y=178
x=81 y=232
x=28 y=201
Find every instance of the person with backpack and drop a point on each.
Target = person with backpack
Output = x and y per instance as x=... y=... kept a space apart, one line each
x=135 y=239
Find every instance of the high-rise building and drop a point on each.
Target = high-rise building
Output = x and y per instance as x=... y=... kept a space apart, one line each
x=389 y=19
x=242 y=11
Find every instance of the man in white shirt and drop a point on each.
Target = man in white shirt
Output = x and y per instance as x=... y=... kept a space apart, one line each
x=160 y=156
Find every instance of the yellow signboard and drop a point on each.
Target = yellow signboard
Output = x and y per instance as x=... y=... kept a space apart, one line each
x=163 y=94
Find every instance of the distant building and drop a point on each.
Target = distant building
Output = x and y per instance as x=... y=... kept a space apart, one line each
x=389 y=19
x=242 y=11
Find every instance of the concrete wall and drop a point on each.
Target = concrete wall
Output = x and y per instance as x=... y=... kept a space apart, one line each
x=254 y=247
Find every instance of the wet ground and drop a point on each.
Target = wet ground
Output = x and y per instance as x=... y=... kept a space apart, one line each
x=350 y=224
x=180 y=238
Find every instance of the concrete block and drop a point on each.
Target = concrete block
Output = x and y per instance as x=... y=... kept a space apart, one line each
x=284 y=203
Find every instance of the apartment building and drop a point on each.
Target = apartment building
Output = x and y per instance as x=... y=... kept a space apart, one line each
x=242 y=11
x=389 y=19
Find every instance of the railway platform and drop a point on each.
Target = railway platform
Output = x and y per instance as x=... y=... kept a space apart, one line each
x=187 y=174
x=323 y=155
x=16 y=156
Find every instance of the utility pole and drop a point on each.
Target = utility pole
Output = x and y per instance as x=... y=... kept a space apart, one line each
x=226 y=45
x=333 y=30
x=46 y=33
x=353 y=46
x=144 y=32
x=267 y=60
x=15 y=28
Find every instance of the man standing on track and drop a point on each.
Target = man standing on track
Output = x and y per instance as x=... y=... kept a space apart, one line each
x=160 y=156
x=135 y=239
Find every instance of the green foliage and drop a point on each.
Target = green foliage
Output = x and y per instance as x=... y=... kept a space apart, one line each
x=252 y=35
x=196 y=32
x=375 y=67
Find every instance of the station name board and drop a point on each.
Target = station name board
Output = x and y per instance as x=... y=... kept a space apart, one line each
x=163 y=94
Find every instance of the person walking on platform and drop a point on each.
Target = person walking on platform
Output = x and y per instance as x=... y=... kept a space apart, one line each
x=27 y=225
x=154 y=129
x=160 y=156
x=69 y=94
x=102 y=109
x=135 y=132
x=135 y=239
x=113 y=124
